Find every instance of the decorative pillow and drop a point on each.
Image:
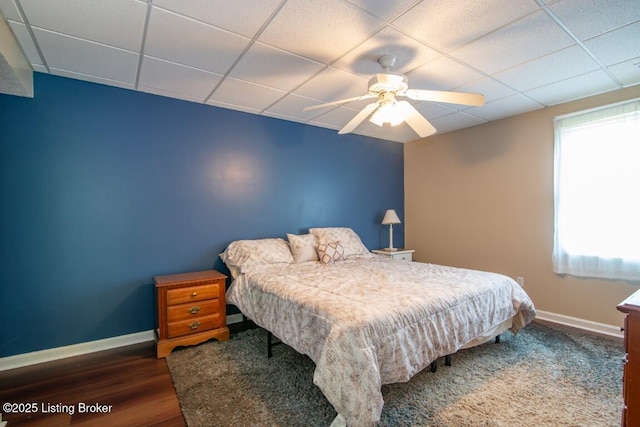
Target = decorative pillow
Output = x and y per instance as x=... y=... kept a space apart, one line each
x=242 y=255
x=330 y=252
x=348 y=238
x=303 y=247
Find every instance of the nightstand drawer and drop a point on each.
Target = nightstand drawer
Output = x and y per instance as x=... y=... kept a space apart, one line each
x=193 y=310
x=192 y=326
x=398 y=254
x=193 y=293
x=403 y=257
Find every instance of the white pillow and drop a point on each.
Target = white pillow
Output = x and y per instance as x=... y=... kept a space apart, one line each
x=303 y=247
x=350 y=241
x=243 y=255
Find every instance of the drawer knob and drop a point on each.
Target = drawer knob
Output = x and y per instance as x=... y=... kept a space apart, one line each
x=194 y=325
x=195 y=294
x=194 y=309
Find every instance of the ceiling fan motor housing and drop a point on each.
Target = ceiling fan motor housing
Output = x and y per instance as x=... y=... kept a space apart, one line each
x=388 y=82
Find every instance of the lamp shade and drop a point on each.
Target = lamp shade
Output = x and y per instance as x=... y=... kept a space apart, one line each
x=390 y=217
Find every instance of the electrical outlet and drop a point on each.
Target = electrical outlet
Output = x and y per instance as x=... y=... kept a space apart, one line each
x=520 y=281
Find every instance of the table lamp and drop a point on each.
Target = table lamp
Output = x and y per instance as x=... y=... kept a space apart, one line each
x=390 y=218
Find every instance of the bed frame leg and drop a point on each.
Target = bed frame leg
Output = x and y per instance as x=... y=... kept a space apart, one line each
x=270 y=344
x=434 y=364
x=497 y=339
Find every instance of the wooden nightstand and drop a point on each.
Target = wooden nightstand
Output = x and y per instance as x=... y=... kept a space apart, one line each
x=191 y=309
x=401 y=254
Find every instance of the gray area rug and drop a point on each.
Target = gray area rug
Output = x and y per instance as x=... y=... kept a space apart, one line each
x=543 y=376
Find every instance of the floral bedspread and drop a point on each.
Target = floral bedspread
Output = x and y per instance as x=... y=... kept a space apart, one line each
x=373 y=321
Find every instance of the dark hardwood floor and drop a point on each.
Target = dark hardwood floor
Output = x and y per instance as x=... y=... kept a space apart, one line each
x=128 y=383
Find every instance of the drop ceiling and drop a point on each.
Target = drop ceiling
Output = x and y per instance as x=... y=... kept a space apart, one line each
x=276 y=57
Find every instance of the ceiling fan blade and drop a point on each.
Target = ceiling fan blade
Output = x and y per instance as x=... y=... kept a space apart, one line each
x=414 y=119
x=342 y=101
x=359 y=118
x=474 y=99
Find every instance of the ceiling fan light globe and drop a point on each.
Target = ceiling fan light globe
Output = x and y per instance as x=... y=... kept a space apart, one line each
x=377 y=119
x=388 y=112
x=396 y=119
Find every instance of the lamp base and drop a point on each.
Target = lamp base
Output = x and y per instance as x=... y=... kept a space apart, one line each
x=390 y=249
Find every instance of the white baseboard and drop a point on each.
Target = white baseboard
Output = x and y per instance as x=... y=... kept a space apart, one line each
x=27 y=359
x=587 y=325
x=48 y=355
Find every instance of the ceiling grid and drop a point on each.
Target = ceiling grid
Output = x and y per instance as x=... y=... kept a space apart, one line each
x=277 y=57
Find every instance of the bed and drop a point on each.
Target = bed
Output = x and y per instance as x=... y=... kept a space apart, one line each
x=366 y=320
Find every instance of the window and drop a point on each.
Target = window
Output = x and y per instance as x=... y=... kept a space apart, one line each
x=597 y=192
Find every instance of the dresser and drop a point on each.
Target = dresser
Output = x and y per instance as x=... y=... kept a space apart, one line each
x=631 y=376
x=191 y=309
x=400 y=254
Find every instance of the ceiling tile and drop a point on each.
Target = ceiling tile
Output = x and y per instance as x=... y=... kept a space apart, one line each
x=275 y=68
x=332 y=84
x=433 y=110
x=559 y=65
x=244 y=17
x=236 y=107
x=26 y=42
x=292 y=106
x=9 y=10
x=336 y=118
x=85 y=57
x=250 y=95
x=524 y=40
x=442 y=74
x=616 y=46
x=176 y=78
x=628 y=72
x=335 y=28
x=185 y=41
x=577 y=87
x=93 y=20
x=455 y=121
x=409 y=54
x=385 y=9
x=489 y=87
x=446 y=27
x=505 y=107
x=589 y=18
x=169 y=94
x=92 y=79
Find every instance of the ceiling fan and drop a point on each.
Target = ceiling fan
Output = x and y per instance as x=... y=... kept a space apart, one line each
x=387 y=87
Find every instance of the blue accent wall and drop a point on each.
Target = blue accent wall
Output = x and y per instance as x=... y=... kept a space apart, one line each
x=102 y=188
